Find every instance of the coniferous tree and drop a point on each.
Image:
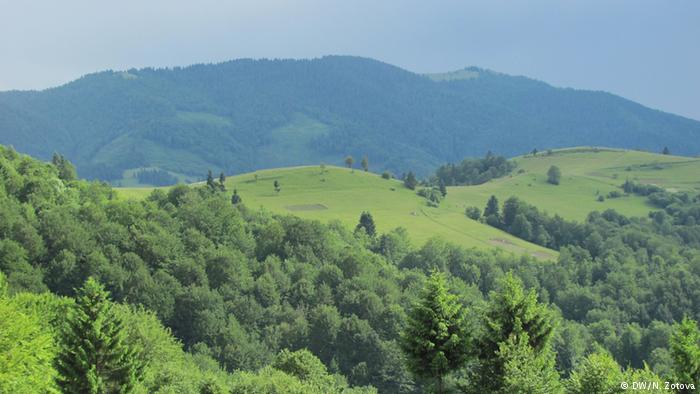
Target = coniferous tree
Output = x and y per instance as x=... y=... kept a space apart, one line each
x=222 y=182
x=210 y=181
x=685 y=351
x=554 y=175
x=277 y=186
x=410 y=181
x=93 y=356
x=491 y=213
x=365 y=164
x=666 y=151
x=66 y=170
x=367 y=224
x=443 y=188
x=511 y=313
x=348 y=161
x=235 y=198
x=435 y=341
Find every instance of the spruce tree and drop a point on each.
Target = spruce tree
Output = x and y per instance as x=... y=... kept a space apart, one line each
x=435 y=341
x=365 y=164
x=685 y=351
x=554 y=175
x=348 y=161
x=511 y=313
x=491 y=209
x=410 y=181
x=666 y=151
x=93 y=356
x=235 y=198
x=367 y=224
x=222 y=182
x=210 y=181
x=443 y=188
x=277 y=186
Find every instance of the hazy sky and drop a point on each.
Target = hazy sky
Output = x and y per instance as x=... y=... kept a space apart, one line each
x=648 y=51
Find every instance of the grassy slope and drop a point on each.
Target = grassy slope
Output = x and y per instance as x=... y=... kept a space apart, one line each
x=343 y=195
x=585 y=173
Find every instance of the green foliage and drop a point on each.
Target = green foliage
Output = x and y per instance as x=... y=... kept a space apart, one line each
x=554 y=175
x=435 y=340
x=526 y=371
x=365 y=164
x=685 y=351
x=66 y=170
x=511 y=317
x=410 y=181
x=367 y=224
x=93 y=356
x=473 y=171
x=473 y=213
x=597 y=373
x=346 y=104
x=26 y=349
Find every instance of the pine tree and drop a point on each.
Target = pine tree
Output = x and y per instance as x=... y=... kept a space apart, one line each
x=685 y=351
x=443 y=188
x=277 y=186
x=435 y=341
x=367 y=224
x=365 y=164
x=235 y=198
x=491 y=207
x=511 y=313
x=222 y=182
x=348 y=161
x=666 y=151
x=210 y=181
x=410 y=181
x=66 y=170
x=94 y=357
x=554 y=175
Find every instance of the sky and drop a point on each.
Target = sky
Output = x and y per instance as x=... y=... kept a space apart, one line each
x=647 y=51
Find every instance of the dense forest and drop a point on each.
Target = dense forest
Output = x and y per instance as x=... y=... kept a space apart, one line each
x=473 y=171
x=243 y=115
x=191 y=291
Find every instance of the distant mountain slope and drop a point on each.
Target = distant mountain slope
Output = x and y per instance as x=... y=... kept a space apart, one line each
x=248 y=114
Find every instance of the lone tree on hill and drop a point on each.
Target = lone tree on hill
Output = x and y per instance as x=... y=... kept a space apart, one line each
x=349 y=161
x=443 y=189
x=235 y=198
x=365 y=164
x=367 y=224
x=210 y=181
x=410 y=181
x=222 y=181
x=94 y=357
x=277 y=186
x=534 y=152
x=554 y=175
x=435 y=340
x=666 y=151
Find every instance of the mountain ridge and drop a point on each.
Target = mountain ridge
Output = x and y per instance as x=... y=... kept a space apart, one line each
x=246 y=114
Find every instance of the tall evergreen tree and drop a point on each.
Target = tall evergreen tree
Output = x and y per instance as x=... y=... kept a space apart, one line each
x=554 y=175
x=685 y=351
x=511 y=313
x=666 y=151
x=222 y=181
x=491 y=207
x=367 y=224
x=410 y=181
x=93 y=356
x=66 y=170
x=435 y=340
x=365 y=164
x=277 y=186
x=443 y=188
x=235 y=198
x=348 y=161
x=210 y=181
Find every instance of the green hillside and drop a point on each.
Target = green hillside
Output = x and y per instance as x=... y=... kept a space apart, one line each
x=341 y=194
x=243 y=115
x=586 y=174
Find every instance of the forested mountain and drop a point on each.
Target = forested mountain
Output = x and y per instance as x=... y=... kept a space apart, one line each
x=248 y=114
x=274 y=303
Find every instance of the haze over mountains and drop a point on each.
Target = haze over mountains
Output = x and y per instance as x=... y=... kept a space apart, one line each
x=249 y=114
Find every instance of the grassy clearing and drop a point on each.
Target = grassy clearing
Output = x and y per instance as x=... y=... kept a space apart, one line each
x=341 y=194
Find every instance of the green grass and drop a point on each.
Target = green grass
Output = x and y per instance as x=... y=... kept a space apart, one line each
x=587 y=172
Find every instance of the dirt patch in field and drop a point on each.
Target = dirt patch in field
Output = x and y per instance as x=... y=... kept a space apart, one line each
x=306 y=207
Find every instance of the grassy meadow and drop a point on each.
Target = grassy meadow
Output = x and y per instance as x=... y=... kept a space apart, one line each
x=341 y=194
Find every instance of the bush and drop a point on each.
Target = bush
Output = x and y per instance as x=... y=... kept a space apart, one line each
x=473 y=213
x=386 y=175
